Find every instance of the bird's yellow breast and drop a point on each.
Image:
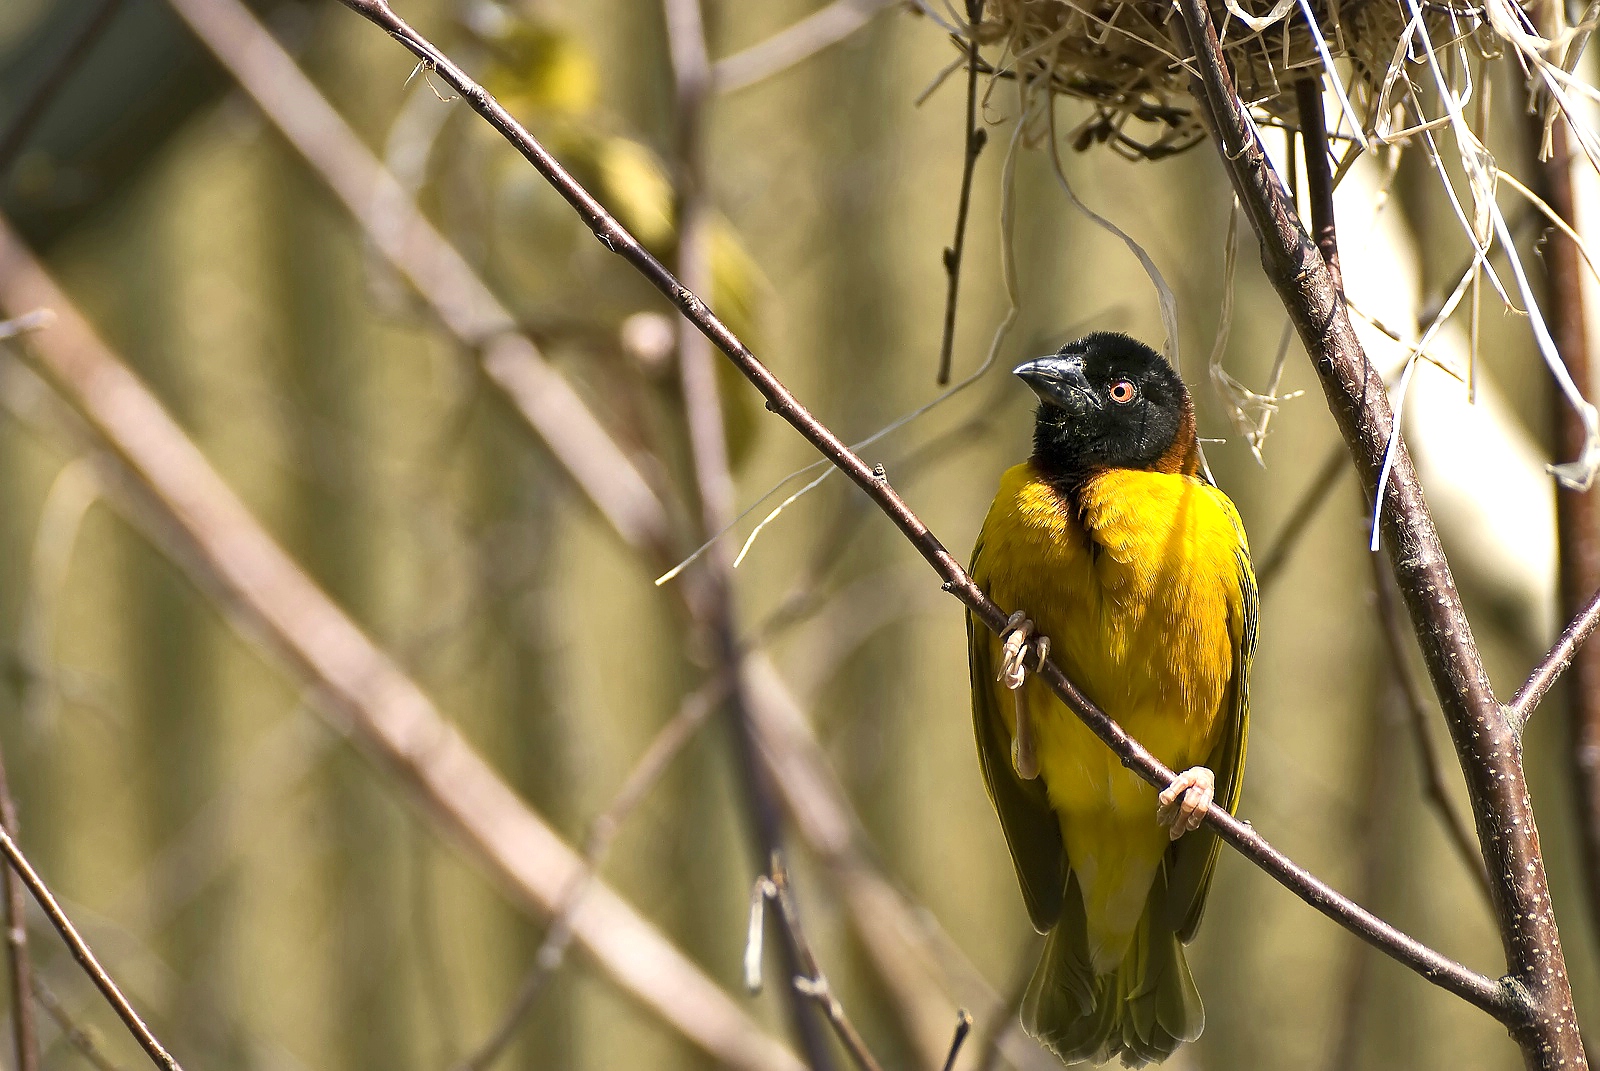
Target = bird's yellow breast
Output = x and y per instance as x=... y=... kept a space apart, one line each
x=1139 y=592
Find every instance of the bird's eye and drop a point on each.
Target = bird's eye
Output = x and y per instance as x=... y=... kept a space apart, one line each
x=1122 y=392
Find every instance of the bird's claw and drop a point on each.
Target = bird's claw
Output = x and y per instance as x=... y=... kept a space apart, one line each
x=1184 y=803
x=1014 y=650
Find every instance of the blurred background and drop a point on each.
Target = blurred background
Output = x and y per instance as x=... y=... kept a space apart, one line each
x=274 y=892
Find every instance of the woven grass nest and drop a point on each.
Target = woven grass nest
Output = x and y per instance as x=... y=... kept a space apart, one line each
x=1124 y=57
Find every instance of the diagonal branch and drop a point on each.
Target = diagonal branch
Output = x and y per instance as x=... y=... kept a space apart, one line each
x=19 y=964
x=1502 y=1001
x=1550 y=668
x=203 y=524
x=455 y=294
x=889 y=926
x=85 y=957
x=1486 y=742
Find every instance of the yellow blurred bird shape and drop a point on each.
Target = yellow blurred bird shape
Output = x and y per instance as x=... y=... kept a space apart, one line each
x=1138 y=577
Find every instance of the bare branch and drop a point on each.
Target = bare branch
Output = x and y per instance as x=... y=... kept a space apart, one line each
x=886 y=923
x=214 y=538
x=799 y=42
x=1538 y=997
x=456 y=295
x=1502 y=1001
x=1549 y=669
x=24 y=1031
x=810 y=982
x=85 y=957
x=713 y=479
x=1319 y=188
x=975 y=137
x=917 y=967
x=1577 y=525
x=1319 y=172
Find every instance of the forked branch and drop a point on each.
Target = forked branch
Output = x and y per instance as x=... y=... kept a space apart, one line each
x=1505 y=1002
x=1486 y=741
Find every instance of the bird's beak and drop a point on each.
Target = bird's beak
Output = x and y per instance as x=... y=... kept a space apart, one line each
x=1059 y=381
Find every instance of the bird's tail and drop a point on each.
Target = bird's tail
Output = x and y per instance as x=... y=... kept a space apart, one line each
x=1142 y=1010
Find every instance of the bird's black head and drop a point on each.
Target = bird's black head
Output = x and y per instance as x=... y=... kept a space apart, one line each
x=1109 y=402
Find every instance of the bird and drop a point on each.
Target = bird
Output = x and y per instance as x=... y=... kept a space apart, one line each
x=1116 y=553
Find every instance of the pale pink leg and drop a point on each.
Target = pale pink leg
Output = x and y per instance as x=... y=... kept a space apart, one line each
x=1185 y=802
x=1019 y=630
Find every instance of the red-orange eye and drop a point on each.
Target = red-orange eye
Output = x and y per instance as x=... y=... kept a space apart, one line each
x=1122 y=392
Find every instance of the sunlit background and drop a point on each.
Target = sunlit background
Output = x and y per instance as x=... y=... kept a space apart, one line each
x=274 y=898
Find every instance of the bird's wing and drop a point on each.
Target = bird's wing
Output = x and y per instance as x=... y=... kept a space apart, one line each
x=1192 y=860
x=1030 y=825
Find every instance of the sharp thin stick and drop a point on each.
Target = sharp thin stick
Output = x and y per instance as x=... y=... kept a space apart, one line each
x=24 y=1030
x=976 y=138
x=85 y=957
x=810 y=982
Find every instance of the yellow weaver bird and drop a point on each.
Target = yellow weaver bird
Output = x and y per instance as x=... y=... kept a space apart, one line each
x=1136 y=569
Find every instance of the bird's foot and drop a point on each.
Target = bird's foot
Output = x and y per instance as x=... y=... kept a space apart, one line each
x=1185 y=802
x=1016 y=636
x=1015 y=639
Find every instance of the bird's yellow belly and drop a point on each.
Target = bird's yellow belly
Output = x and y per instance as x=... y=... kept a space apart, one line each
x=1138 y=618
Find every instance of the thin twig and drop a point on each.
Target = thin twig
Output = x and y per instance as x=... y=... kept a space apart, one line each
x=810 y=982
x=922 y=969
x=456 y=295
x=1007 y=1014
x=975 y=138
x=23 y=1028
x=33 y=109
x=1504 y=1002
x=85 y=957
x=1319 y=173
x=166 y=486
x=1549 y=669
x=708 y=449
x=76 y=1035
x=1319 y=187
x=963 y=1028
x=887 y=924
x=1577 y=525
x=1540 y=1012
x=552 y=950
x=799 y=42
x=1432 y=771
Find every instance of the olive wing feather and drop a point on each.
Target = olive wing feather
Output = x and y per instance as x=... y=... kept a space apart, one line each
x=1192 y=861
x=1032 y=832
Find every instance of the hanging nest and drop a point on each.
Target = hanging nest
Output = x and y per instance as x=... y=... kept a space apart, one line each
x=1125 y=58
